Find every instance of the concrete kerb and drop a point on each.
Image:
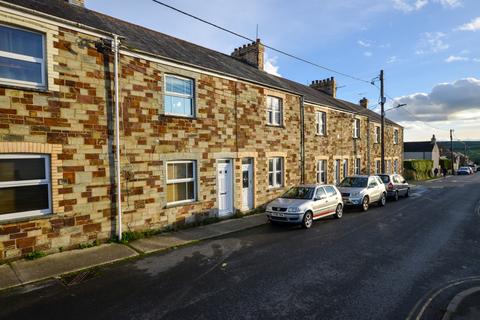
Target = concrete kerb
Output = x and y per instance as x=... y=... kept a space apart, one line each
x=453 y=305
x=17 y=273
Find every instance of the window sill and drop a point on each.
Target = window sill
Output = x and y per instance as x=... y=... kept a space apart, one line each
x=182 y=204
x=174 y=116
x=275 y=126
x=24 y=88
x=320 y=135
x=275 y=188
x=26 y=219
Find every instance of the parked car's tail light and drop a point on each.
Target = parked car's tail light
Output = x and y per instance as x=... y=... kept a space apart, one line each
x=390 y=186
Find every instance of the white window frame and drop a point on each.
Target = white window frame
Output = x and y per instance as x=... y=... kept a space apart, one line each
x=21 y=57
x=356 y=128
x=180 y=95
x=321 y=123
x=358 y=163
x=26 y=183
x=273 y=112
x=174 y=181
x=274 y=171
x=395 y=166
x=378 y=166
x=321 y=171
x=395 y=136
x=345 y=168
x=377 y=134
x=336 y=171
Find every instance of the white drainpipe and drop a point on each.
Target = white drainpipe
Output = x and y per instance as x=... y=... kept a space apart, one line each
x=115 y=45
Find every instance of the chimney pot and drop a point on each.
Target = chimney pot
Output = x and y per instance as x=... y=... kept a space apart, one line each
x=364 y=102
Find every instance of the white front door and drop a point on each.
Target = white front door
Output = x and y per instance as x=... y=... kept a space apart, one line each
x=247 y=184
x=225 y=186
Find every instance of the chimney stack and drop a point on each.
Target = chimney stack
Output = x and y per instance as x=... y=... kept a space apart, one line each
x=433 y=140
x=252 y=54
x=80 y=3
x=328 y=86
x=364 y=102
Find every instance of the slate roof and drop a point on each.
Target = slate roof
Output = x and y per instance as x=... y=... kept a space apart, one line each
x=418 y=146
x=170 y=48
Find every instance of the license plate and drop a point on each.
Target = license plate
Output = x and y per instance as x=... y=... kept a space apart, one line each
x=276 y=214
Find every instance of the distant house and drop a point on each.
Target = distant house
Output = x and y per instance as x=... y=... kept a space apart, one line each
x=423 y=150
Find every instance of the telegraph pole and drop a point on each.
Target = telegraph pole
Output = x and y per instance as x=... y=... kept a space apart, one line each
x=382 y=130
x=451 y=148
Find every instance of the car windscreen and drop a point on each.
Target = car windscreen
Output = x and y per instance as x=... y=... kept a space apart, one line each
x=385 y=178
x=354 y=182
x=299 y=193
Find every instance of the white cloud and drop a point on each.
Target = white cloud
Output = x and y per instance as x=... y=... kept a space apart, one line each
x=476 y=59
x=445 y=102
x=367 y=54
x=431 y=42
x=271 y=65
x=416 y=5
x=392 y=59
x=451 y=59
x=473 y=25
x=409 y=5
x=450 y=3
x=364 y=44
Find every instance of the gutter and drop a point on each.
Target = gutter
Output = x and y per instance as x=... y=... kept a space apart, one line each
x=302 y=140
x=115 y=48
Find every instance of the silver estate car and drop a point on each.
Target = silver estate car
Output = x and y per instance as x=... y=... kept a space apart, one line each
x=361 y=191
x=305 y=203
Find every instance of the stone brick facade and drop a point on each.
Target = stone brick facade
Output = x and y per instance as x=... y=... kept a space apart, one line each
x=72 y=121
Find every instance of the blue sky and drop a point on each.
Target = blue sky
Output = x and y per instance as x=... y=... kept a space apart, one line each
x=429 y=49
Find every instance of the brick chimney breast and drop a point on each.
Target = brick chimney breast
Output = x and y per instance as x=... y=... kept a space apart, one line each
x=364 y=102
x=80 y=3
x=328 y=86
x=252 y=54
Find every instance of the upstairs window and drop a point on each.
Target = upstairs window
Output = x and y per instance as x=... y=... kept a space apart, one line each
x=395 y=136
x=179 y=96
x=321 y=123
x=377 y=134
x=356 y=128
x=25 y=188
x=274 y=111
x=22 y=57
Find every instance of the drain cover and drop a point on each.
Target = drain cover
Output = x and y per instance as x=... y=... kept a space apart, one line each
x=79 y=277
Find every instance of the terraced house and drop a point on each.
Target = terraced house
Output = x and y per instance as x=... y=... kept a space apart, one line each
x=200 y=133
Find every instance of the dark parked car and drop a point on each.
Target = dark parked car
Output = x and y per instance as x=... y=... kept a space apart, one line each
x=396 y=185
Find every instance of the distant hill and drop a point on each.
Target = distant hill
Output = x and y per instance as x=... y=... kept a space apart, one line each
x=473 y=148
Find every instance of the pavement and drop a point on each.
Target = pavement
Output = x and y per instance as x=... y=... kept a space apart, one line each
x=23 y=272
x=408 y=260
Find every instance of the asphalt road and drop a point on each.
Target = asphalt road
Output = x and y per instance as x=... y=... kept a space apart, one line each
x=375 y=265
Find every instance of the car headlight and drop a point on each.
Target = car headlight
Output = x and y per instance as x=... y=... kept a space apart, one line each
x=355 y=194
x=293 y=209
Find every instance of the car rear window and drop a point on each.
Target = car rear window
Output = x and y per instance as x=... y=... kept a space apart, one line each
x=385 y=178
x=330 y=191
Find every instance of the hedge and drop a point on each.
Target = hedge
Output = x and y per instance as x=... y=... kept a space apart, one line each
x=446 y=163
x=417 y=169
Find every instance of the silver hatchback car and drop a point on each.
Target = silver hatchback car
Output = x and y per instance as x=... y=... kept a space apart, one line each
x=361 y=191
x=305 y=203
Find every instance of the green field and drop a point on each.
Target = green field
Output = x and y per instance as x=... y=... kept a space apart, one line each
x=473 y=150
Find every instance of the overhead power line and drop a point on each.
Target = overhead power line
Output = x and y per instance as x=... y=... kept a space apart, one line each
x=266 y=46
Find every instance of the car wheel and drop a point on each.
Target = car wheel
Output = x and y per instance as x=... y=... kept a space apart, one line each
x=307 y=220
x=365 y=204
x=407 y=194
x=395 y=196
x=339 y=211
x=383 y=200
